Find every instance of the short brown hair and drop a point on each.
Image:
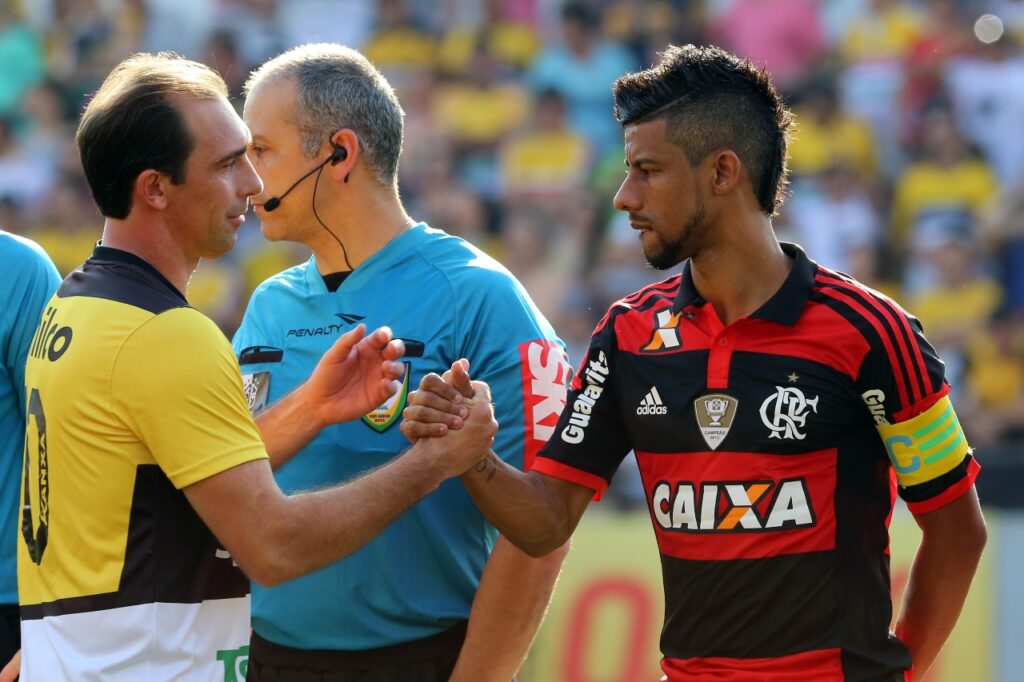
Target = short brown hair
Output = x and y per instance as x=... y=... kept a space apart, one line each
x=132 y=125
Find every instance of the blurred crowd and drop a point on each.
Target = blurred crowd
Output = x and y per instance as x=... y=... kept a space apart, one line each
x=907 y=162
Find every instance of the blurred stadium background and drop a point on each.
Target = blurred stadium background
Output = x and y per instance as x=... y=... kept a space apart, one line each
x=908 y=173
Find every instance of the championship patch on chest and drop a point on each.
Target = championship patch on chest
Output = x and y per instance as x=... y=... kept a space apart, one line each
x=715 y=413
x=257 y=390
x=385 y=416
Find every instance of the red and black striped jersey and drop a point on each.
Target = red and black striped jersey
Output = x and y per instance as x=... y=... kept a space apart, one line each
x=771 y=451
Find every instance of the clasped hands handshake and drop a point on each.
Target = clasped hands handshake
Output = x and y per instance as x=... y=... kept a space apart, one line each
x=452 y=417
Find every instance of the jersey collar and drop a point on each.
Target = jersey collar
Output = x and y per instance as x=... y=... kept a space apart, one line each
x=785 y=307
x=366 y=270
x=110 y=254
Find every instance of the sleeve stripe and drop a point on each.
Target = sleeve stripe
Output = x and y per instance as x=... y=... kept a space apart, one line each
x=919 y=407
x=899 y=329
x=565 y=472
x=953 y=492
x=899 y=370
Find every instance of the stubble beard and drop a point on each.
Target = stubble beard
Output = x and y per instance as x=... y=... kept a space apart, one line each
x=691 y=238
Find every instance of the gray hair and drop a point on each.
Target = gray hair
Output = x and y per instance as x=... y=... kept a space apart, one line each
x=339 y=88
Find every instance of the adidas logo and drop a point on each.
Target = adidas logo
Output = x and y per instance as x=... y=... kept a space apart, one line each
x=651 y=404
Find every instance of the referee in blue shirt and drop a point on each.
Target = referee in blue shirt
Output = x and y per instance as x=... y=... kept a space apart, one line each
x=426 y=600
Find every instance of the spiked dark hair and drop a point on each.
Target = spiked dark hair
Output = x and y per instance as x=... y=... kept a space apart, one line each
x=714 y=100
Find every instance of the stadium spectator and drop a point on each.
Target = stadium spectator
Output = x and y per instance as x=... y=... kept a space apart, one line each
x=510 y=40
x=946 y=177
x=871 y=81
x=790 y=369
x=994 y=384
x=580 y=70
x=827 y=134
x=959 y=298
x=835 y=220
x=785 y=37
x=548 y=160
x=947 y=36
x=400 y=42
x=21 y=60
x=987 y=93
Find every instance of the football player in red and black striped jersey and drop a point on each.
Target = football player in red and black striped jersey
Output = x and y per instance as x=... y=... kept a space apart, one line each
x=776 y=408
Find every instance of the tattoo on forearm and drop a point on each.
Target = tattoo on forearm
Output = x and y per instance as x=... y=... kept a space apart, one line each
x=487 y=465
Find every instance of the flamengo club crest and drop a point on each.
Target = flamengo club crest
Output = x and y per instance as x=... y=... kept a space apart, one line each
x=785 y=412
x=715 y=413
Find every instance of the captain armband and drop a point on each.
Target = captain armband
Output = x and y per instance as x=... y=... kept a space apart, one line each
x=925 y=447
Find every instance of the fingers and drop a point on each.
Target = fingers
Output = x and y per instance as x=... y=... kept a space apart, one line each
x=394 y=370
x=380 y=337
x=345 y=343
x=432 y=410
x=393 y=349
x=438 y=403
x=435 y=385
x=436 y=411
x=459 y=377
x=414 y=431
x=389 y=387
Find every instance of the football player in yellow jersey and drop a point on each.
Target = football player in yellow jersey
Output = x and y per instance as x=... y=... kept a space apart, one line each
x=139 y=440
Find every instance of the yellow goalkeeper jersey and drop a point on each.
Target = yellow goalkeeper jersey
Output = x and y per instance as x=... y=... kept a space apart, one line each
x=132 y=396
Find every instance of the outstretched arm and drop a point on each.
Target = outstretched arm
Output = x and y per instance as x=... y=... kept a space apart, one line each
x=354 y=376
x=274 y=537
x=953 y=539
x=537 y=513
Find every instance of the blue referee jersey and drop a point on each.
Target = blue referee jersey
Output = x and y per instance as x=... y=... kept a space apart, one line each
x=447 y=300
x=30 y=280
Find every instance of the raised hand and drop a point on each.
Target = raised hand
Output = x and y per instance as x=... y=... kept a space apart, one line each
x=439 y=404
x=356 y=375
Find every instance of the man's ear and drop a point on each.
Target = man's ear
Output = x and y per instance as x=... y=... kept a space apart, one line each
x=151 y=189
x=726 y=171
x=346 y=139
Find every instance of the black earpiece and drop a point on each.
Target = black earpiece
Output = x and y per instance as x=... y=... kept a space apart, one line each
x=338 y=155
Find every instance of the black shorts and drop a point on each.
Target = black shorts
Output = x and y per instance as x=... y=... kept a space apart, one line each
x=424 y=660
x=10 y=632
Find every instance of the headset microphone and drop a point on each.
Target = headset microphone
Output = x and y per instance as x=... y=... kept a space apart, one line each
x=337 y=156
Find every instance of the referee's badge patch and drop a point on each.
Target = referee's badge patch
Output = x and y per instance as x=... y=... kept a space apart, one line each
x=257 y=389
x=715 y=413
x=385 y=416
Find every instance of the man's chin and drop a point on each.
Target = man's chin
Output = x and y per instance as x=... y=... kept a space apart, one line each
x=272 y=233
x=662 y=260
x=222 y=247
